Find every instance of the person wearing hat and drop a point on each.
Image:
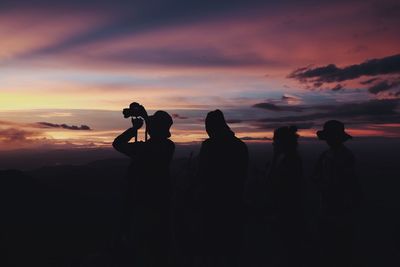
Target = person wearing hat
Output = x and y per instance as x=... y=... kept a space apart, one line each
x=148 y=187
x=222 y=171
x=337 y=182
x=285 y=178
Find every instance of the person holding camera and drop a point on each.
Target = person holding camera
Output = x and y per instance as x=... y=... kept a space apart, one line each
x=148 y=188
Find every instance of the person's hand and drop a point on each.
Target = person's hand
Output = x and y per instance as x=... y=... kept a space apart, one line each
x=142 y=112
x=137 y=123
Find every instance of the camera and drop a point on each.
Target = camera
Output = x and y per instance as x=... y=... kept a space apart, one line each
x=134 y=110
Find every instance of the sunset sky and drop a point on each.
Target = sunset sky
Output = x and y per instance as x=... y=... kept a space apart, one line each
x=67 y=69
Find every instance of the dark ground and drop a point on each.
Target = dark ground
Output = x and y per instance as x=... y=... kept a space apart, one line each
x=67 y=215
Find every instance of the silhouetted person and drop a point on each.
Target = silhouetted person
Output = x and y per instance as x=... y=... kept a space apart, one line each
x=337 y=182
x=149 y=187
x=223 y=162
x=286 y=179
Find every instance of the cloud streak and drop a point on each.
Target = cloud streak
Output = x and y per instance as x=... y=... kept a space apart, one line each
x=178 y=116
x=331 y=73
x=16 y=135
x=377 y=111
x=272 y=126
x=250 y=138
x=383 y=86
x=278 y=108
x=64 y=126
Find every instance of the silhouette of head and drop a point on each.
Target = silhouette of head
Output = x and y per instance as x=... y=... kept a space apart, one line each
x=159 y=124
x=216 y=126
x=333 y=133
x=285 y=139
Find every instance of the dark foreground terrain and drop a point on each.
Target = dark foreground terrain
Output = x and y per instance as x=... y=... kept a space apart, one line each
x=68 y=215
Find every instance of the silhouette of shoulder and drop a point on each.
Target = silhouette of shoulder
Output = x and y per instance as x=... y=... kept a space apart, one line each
x=229 y=139
x=348 y=155
x=292 y=159
x=155 y=147
x=343 y=154
x=227 y=144
x=162 y=146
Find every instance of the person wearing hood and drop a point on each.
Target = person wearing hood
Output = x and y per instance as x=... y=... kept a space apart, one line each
x=223 y=163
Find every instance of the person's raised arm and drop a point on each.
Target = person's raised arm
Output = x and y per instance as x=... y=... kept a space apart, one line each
x=121 y=142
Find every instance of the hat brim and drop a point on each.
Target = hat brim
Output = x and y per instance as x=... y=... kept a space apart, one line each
x=323 y=135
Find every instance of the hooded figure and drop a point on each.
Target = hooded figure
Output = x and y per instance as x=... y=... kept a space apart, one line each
x=223 y=162
x=340 y=193
x=148 y=188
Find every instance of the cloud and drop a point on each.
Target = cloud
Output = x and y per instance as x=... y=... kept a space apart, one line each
x=41 y=125
x=277 y=108
x=369 y=81
x=299 y=125
x=64 y=126
x=331 y=73
x=377 y=111
x=318 y=84
x=55 y=114
x=289 y=103
x=51 y=24
x=177 y=116
x=16 y=135
x=12 y=124
x=383 y=86
x=140 y=17
x=233 y=121
x=338 y=87
x=291 y=99
x=177 y=55
x=250 y=138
